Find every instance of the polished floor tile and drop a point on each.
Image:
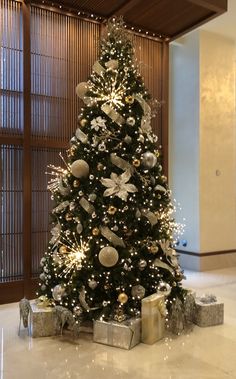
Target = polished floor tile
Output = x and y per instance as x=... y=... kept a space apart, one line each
x=205 y=353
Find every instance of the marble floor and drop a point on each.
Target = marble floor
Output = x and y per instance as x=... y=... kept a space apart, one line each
x=205 y=353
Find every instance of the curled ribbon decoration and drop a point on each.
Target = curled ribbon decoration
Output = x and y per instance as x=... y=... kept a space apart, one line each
x=113 y=114
x=150 y=216
x=161 y=264
x=111 y=237
x=81 y=136
x=85 y=204
x=162 y=308
x=121 y=163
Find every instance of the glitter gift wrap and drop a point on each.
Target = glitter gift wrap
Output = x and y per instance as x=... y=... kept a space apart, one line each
x=153 y=318
x=124 y=334
x=208 y=314
x=42 y=321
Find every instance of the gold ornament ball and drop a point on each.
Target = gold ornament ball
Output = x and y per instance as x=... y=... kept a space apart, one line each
x=95 y=232
x=153 y=249
x=129 y=99
x=80 y=168
x=136 y=162
x=108 y=256
x=111 y=210
x=68 y=217
x=83 y=122
x=76 y=183
x=122 y=298
x=62 y=249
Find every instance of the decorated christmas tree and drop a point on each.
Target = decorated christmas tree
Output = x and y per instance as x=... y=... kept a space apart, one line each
x=112 y=232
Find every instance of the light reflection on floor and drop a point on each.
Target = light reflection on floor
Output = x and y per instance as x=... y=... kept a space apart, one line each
x=205 y=353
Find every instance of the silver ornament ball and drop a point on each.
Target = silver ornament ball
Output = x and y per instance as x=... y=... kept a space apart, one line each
x=58 y=292
x=142 y=264
x=163 y=288
x=149 y=160
x=138 y=291
x=92 y=284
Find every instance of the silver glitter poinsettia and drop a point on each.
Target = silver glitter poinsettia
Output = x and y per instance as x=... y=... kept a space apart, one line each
x=117 y=185
x=98 y=123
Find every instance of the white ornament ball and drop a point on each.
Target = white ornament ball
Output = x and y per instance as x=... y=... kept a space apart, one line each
x=79 y=228
x=81 y=89
x=80 y=168
x=149 y=160
x=128 y=139
x=138 y=291
x=163 y=288
x=58 y=292
x=43 y=287
x=92 y=197
x=108 y=256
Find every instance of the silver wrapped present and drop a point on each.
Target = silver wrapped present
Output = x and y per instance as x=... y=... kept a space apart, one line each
x=153 y=315
x=124 y=334
x=42 y=321
x=208 y=311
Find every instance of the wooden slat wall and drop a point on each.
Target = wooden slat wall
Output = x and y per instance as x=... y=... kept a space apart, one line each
x=62 y=50
x=148 y=54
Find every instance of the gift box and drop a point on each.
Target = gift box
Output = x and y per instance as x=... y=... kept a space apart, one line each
x=42 y=321
x=153 y=314
x=208 y=311
x=124 y=334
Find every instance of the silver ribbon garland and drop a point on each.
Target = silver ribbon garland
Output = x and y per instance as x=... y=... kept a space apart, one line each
x=150 y=216
x=146 y=108
x=98 y=68
x=113 y=114
x=161 y=264
x=86 y=205
x=61 y=206
x=111 y=237
x=121 y=163
x=81 y=136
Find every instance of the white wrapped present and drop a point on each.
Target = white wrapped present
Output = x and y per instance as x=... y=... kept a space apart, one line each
x=153 y=314
x=124 y=334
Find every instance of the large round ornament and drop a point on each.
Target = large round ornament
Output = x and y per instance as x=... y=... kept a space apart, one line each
x=81 y=89
x=108 y=256
x=138 y=291
x=58 y=292
x=149 y=160
x=163 y=288
x=80 y=168
x=122 y=298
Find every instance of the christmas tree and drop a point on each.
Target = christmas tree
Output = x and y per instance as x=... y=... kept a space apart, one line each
x=112 y=234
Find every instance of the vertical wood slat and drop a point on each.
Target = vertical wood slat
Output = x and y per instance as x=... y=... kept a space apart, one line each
x=27 y=149
x=164 y=119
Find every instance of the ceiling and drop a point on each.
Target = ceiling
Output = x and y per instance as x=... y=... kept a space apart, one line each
x=224 y=25
x=167 y=19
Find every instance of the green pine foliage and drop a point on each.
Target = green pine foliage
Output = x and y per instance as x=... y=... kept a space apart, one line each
x=137 y=210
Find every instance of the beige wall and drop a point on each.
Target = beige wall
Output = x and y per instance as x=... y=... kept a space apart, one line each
x=203 y=146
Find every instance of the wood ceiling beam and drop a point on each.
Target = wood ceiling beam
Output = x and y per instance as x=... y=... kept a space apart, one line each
x=121 y=10
x=218 y=6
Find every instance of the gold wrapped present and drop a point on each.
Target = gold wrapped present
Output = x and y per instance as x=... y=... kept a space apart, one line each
x=153 y=314
x=124 y=334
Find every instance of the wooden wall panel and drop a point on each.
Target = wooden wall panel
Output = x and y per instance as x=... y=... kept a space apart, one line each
x=11 y=215
x=63 y=50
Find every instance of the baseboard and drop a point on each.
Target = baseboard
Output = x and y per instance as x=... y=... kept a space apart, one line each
x=207 y=261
